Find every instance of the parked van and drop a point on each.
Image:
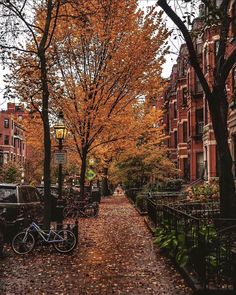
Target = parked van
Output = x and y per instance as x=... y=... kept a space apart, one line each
x=19 y=203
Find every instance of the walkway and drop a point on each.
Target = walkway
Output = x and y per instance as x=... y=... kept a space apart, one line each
x=115 y=256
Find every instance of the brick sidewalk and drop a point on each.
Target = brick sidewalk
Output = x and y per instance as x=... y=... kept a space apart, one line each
x=115 y=256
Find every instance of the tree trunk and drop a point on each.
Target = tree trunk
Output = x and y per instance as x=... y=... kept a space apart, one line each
x=219 y=113
x=105 y=188
x=47 y=143
x=83 y=172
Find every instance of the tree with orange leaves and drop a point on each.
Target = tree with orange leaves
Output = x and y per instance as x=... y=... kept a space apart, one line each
x=140 y=156
x=106 y=61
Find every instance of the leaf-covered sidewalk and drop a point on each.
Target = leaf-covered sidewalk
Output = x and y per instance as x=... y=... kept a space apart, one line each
x=115 y=255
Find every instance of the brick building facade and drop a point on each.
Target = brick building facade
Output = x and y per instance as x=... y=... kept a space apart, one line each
x=191 y=142
x=12 y=137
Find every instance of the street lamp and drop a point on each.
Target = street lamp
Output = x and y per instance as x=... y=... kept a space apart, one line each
x=60 y=134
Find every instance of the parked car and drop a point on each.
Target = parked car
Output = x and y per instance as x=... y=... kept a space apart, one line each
x=2 y=230
x=19 y=204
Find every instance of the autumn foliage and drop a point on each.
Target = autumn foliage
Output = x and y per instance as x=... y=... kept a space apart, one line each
x=106 y=61
x=102 y=64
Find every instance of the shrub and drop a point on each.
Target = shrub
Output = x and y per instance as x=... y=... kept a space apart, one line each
x=171 y=185
x=204 y=193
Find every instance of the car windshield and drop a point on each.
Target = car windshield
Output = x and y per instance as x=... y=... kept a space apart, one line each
x=8 y=195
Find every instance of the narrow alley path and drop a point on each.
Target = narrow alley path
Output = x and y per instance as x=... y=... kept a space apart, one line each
x=115 y=256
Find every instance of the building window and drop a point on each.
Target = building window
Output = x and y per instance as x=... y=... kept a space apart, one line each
x=184 y=97
x=175 y=110
x=175 y=139
x=1 y=159
x=185 y=131
x=6 y=140
x=198 y=85
x=199 y=122
x=6 y=123
x=199 y=165
x=186 y=168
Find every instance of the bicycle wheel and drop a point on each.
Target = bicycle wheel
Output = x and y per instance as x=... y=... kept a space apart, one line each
x=69 y=212
x=22 y=243
x=67 y=243
x=90 y=211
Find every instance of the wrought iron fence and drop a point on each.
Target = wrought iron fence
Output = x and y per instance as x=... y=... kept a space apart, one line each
x=203 y=244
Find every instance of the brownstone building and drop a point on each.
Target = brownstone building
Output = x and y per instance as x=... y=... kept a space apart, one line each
x=191 y=143
x=12 y=137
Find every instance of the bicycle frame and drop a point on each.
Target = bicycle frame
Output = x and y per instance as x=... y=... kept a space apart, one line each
x=47 y=237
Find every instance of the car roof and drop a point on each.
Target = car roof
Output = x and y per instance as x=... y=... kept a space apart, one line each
x=8 y=184
x=14 y=185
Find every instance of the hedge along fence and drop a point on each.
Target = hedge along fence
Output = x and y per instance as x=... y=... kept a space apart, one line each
x=131 y=193
x=202 y=245
x=139 y=197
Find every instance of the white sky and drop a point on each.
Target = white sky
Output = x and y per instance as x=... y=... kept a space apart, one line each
x=170 y=58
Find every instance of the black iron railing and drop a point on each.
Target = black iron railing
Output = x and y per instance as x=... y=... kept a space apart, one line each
x=199 y=238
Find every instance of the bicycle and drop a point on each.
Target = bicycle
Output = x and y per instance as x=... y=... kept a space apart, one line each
x=64 y=241
x=81 y=209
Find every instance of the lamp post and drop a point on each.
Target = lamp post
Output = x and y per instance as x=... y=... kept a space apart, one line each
x=60 y=134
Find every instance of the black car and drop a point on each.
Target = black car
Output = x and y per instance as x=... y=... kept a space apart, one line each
x=19 y=204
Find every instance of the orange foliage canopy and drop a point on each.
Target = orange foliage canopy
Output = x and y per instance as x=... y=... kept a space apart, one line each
x=106 y=61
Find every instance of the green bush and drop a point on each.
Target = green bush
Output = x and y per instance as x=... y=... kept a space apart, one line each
x=174 y=245
x=171 y=185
